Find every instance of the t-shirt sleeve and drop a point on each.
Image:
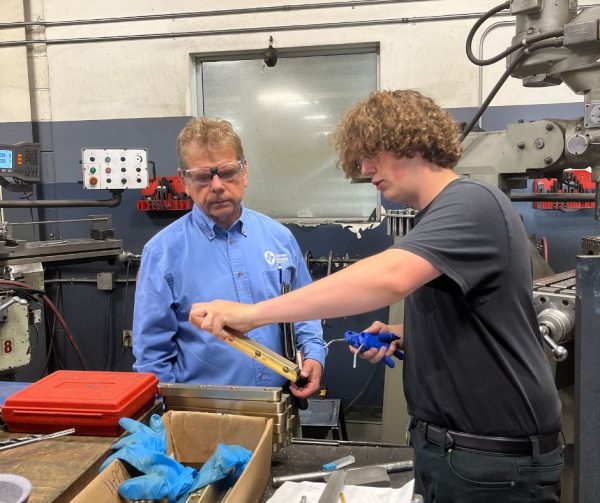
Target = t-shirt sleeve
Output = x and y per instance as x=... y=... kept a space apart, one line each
x=463 y=234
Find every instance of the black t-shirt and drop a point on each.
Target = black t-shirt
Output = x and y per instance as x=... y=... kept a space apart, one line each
x=474 y=360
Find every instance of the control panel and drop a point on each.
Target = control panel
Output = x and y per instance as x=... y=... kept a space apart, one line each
x=21 y=160
x=115 y=168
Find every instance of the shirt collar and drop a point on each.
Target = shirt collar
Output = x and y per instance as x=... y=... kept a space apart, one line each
x=211 y=229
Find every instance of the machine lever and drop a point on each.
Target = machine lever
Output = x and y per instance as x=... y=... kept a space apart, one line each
x=559 y=353
x=13 y=300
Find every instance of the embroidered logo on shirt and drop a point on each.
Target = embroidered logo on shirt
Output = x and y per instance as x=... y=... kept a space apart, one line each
x=275 y=258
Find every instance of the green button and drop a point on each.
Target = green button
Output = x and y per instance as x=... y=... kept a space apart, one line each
x=92 y=170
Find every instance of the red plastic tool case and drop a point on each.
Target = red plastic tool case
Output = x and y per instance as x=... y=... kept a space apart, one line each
x=90 y=402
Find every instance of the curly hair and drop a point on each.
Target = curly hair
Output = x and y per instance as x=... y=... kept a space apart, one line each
x=210 y=134
x=401 y=122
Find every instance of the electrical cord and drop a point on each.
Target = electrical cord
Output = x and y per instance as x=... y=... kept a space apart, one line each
x=502 y=80
x=37 y=338
x=56 y=314
x=107 y=318
x=124 y=313
x=51 y=329
x=364 y=388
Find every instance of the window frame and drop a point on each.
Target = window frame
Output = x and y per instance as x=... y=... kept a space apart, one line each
x=197 y=102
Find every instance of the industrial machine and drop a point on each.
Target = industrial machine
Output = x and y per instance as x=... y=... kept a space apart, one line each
x=554 y=44
x=22 y=294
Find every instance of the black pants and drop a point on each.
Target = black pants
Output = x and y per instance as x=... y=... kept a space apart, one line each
x=459 y=476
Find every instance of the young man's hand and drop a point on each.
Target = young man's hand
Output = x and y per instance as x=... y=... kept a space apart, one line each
x=375 y=356
x=222 y=318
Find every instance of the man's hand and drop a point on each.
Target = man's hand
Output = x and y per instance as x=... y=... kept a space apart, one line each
x=222 y=318
x=375 y=356
x=311 y=371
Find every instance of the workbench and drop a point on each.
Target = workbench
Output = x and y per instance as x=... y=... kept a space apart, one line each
x=59 y=468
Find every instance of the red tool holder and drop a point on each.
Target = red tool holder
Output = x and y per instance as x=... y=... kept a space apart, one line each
x=165 y=193
x=574 y=181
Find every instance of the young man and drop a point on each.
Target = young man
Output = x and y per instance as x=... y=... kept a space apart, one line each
x=486 y=413
x=219 y=250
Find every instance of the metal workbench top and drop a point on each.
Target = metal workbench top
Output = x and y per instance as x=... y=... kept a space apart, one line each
x=302 y=458
x=59 y=468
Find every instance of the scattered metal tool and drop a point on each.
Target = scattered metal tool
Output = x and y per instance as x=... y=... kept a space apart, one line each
x=334 y=486
x=367 y=475
x=396 y=466
x=11 y=443
x=339 y=463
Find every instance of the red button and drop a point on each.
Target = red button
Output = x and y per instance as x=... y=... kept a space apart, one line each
x=108 y=170
x=93 y=180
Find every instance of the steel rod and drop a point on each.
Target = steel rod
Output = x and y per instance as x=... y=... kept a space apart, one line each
x=38 y=439
x=397 y=466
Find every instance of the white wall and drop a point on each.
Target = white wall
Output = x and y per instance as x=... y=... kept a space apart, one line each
x=153 y=78
x=14 y=83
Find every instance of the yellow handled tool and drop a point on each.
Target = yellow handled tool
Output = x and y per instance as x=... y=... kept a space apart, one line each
x=264 y=355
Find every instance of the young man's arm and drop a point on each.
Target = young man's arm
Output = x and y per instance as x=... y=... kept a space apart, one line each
x=369 y=284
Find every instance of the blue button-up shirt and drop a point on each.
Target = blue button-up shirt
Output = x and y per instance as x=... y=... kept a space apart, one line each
x=195 y=260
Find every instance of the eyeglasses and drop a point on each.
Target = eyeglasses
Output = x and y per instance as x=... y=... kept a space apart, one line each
x=202 y=177
x=362 y=160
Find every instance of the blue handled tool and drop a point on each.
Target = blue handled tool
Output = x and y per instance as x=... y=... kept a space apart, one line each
x=365 y=340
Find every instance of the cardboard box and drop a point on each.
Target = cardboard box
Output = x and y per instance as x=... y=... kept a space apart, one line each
x=192 y=438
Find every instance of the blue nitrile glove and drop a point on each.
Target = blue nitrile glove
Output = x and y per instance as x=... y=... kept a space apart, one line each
x=164 y=477
x=154 y=437
x=368 y=341
x=228 y=461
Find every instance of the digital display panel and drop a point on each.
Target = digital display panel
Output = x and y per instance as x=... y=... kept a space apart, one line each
x=6 y=159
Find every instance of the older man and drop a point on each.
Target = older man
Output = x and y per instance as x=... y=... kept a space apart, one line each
x=220 y=249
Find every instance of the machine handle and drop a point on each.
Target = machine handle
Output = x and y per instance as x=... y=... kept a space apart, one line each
x=559 y=353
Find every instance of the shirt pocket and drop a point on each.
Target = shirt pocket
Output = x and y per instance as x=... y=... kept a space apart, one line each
x=272 y=284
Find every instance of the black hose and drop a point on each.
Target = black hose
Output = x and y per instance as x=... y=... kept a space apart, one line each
x=476 y=26
x=528 y=41
x=526 y=52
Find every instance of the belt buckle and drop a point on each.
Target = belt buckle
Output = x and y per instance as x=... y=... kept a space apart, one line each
x=448 y=440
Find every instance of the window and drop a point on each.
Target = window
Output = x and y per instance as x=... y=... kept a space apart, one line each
x=286 y=117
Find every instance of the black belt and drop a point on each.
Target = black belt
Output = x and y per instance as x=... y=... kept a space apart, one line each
x=498 y=445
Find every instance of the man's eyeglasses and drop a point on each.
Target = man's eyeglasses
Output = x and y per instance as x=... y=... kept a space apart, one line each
x=201 y=177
